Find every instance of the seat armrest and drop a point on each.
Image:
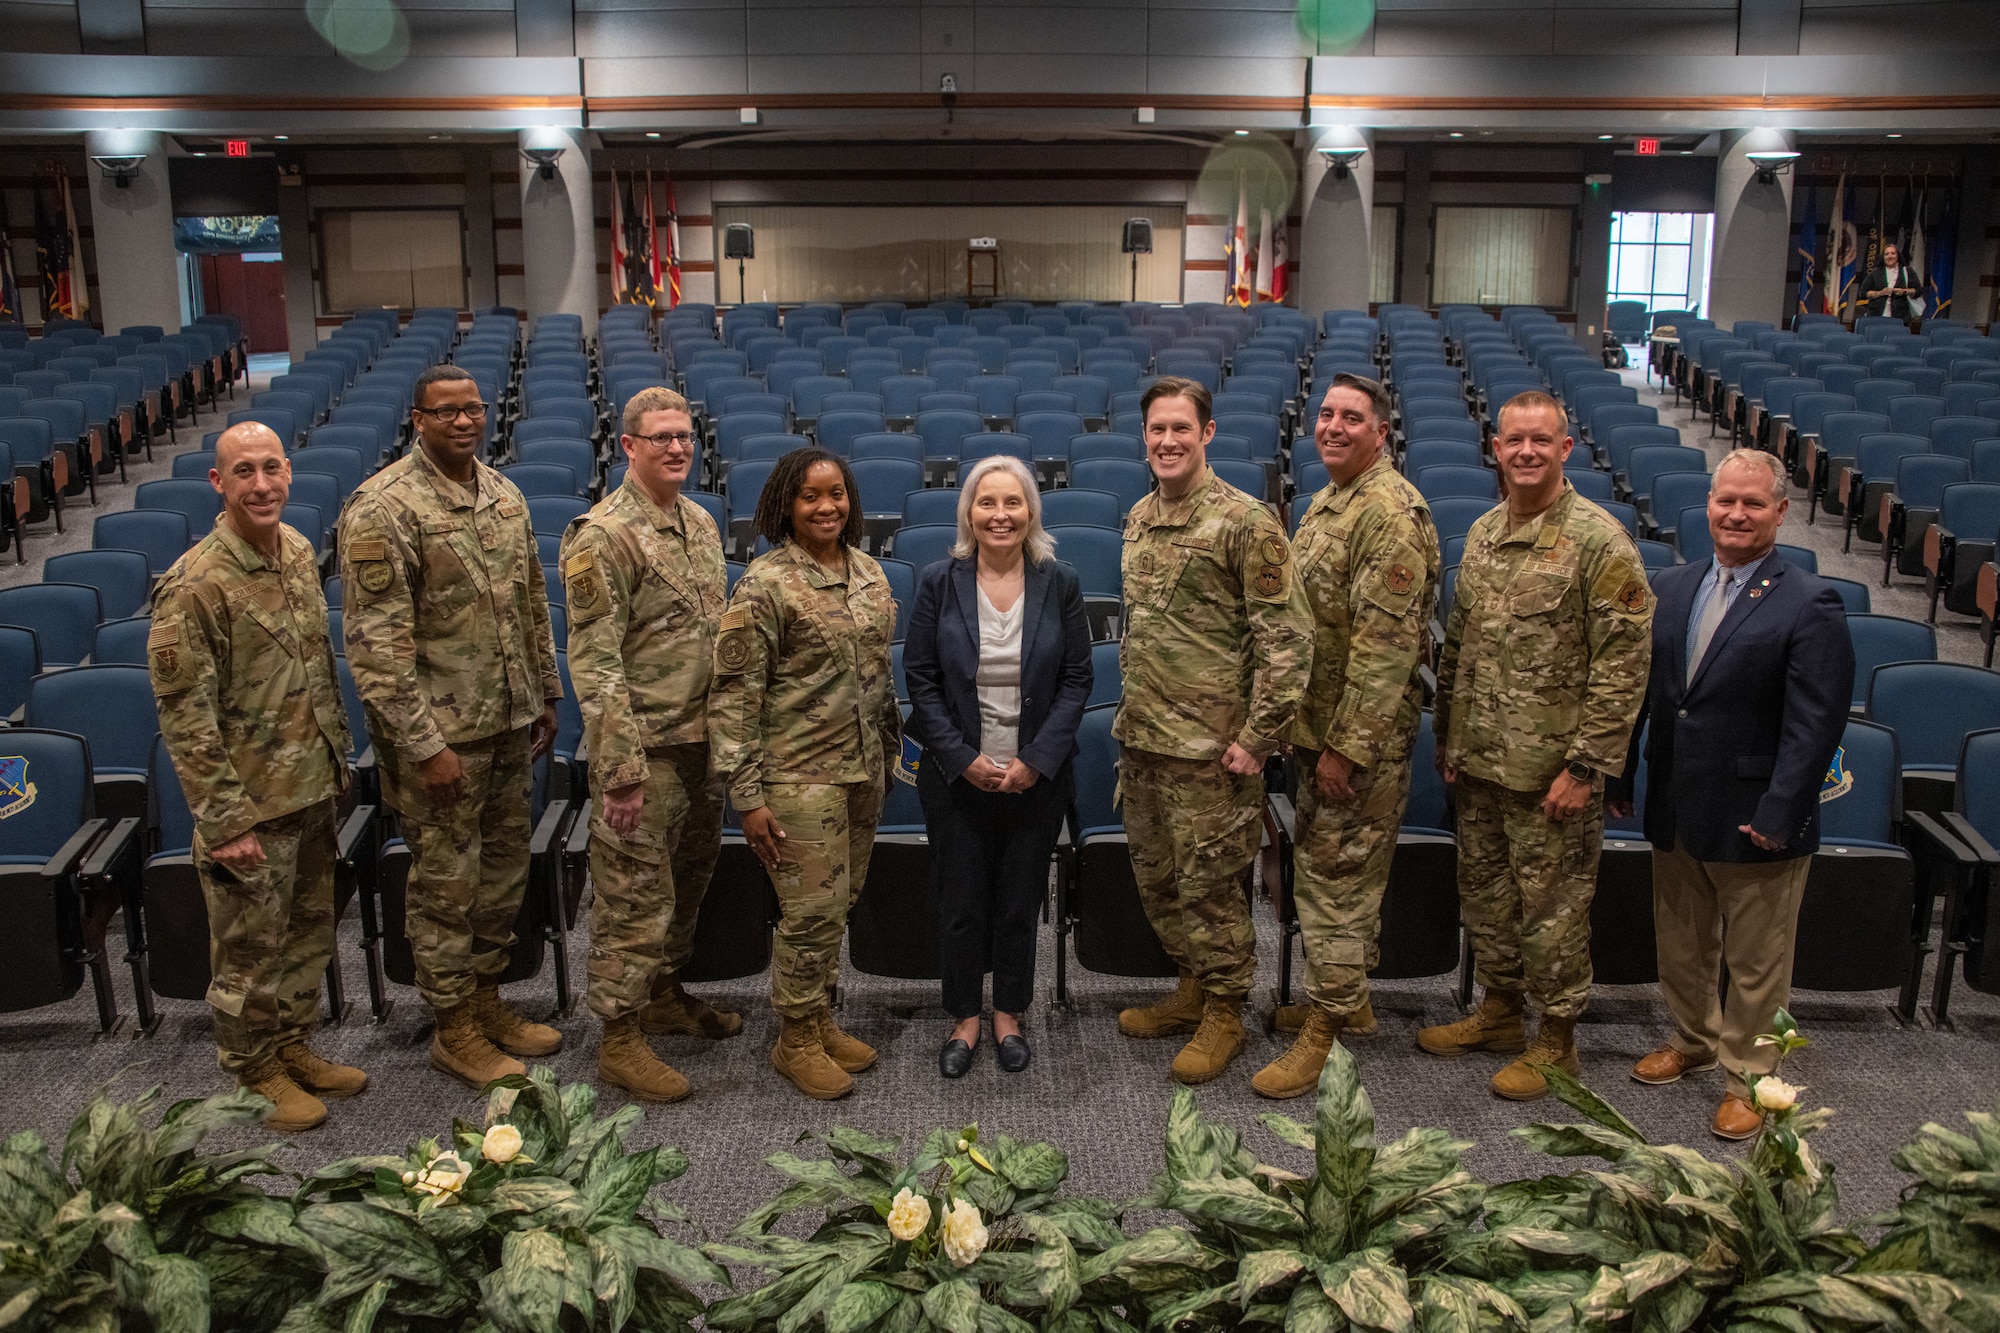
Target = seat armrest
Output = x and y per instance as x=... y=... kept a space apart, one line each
x=1927 y=836
x=71 y=853
x=578 y=841
x=105 y=853
x=1285 y=812
x=546 y=830
x=348 y=840
x=1975 y=843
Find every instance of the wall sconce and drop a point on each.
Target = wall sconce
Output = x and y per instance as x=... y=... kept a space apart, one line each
x=121 y=168
x=1341 y=160
x=544 y=160
x=1771 y=163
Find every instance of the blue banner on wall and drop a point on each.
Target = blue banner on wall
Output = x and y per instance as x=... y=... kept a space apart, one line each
x=225 y=236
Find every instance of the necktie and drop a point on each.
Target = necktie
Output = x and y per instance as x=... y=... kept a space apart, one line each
x=1711 y=616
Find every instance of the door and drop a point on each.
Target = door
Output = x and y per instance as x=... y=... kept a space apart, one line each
x=252 y=288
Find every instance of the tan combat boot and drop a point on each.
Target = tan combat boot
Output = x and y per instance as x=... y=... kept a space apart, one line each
x=1179 y=1011
x=674 y=1011
x=800 y=1058
x=292 y=1108
x=1495 y=1026
x=460 y=1049
x=1554 y=1044
x=1296 y=1072
x=849 y=1052
x=1216 y=1042
x=1292 y=1018
x=624 y=1060
x=315 y=1073
x=505 y=1028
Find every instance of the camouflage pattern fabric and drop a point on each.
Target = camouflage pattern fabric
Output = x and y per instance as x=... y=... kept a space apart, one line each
x=1217 y=636
x=1192 y=829
x=1340 y=869
x=1524 y=885
x=469 y=865
x=447 y=616
x=823 y=863
x=645 y=588
x=1367 y=558
x=243 y=670
x=1546 y=653
x=648 y=884
x=270 y=937
x=803 y=691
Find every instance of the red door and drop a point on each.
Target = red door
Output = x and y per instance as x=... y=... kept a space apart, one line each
x=254 y=292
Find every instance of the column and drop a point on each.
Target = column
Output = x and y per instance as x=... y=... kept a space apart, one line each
x=1336 y=224
x=1414 y=254
x=479 y=276
x=558 y=230
x=1593 y=248
x=138 y=269
x=1753 y=231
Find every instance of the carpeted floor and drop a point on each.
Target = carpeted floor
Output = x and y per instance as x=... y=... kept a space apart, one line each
x=1096 y=1094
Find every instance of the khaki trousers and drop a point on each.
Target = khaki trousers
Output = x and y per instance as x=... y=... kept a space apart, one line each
x=1707 y=913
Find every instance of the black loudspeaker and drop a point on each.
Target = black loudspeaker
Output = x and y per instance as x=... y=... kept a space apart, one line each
x=1138 y=236
x=739 y=241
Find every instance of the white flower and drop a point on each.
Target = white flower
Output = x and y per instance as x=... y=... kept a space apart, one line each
x=446 y=1175
x=909 y=1214
x=1774 y=1094
x=502 y=1143
x=964 y=1233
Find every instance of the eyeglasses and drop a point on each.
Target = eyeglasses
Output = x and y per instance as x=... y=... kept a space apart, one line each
x=668 y=439
x=444 y=416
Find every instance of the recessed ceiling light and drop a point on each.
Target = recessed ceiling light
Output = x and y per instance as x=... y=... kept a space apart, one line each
x=1687 y=152
x=197 y=154
x=1603 y=136
x=281 y=137
x=1895 y=136
x=652 y=134
x=1242 y=134
x=1458 y=134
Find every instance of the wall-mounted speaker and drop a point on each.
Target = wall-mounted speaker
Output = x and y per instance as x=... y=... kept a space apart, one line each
x=739 y=241
x=1138 y=236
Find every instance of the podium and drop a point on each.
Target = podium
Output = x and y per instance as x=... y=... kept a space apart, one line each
x=973 y=286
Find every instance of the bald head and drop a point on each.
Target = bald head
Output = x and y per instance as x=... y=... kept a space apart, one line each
x=254 y=480
x=250 y=434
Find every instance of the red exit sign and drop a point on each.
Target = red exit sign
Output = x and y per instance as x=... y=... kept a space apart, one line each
x=1648 y=147
x=236 y=148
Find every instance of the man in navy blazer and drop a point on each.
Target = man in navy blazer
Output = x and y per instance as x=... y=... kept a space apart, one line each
x=1751 y=678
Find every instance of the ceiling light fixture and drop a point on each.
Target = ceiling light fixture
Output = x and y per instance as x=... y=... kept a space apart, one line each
x=652 y=134
x=1771 y=163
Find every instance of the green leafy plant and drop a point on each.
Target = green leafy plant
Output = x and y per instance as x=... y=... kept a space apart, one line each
x=149 y=1232
x=966 y=1237
x=538 y=1220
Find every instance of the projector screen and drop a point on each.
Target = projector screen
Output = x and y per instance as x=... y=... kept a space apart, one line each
x=918 y=253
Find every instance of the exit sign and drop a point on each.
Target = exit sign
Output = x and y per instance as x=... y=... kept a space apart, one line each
x=1648 y=147
x=236 y=148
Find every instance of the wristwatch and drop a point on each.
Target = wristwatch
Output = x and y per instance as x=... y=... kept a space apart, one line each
x=1581 y=771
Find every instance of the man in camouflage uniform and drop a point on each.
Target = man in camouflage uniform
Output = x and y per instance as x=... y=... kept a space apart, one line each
x=250 y=708
x=1216 y=654
x=1542 y=673
x=645 y=589
x=447 y=624
x=1367 y=557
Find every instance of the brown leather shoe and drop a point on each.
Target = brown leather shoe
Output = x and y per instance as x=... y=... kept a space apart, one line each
x=502 y=1025
x=1736 y=1119
x=315 y=1073
x=1666 y=1065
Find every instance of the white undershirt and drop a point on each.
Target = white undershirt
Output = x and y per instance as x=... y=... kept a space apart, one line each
x=999 y=678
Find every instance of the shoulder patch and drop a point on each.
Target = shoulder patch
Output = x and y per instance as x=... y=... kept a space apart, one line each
x=511 y=508
x=1399 y=578
x=374 y=576
x=368 y=548
x=736 y=617
x=1633 y=596
x=172 y=672
x=164 y=633
x=579 y=562
x=1269 y=581
x=1274 y=550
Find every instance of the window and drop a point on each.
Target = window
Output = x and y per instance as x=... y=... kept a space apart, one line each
x=1661 y=259
x=401 y=257
x=1384 y=250
x=1502 y=256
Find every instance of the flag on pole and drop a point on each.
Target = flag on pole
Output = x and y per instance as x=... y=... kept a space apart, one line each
x=10 y=291
x=56 y=249
x=653 y=274
x=1873 y=255
x=1915 y=253
x=1842 y=243
x=1280 y=258
x=621 y=255
x=1944 y=260
x=673 y=248
x=1808 y=237
x=1241 y=278
x=1264 y=254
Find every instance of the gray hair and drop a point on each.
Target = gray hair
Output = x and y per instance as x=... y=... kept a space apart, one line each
x=1763 y=461
x=1037 y=542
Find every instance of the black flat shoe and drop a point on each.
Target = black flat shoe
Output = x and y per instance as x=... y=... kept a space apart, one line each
x=1014 y=1053
x=954 y=1059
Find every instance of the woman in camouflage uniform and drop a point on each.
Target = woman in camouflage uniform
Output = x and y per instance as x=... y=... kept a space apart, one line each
x=803 y=726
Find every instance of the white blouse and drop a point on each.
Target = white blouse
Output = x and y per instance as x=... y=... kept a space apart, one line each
x=999 y=678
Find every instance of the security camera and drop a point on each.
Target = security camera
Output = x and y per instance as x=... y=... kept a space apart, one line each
x=948 y=83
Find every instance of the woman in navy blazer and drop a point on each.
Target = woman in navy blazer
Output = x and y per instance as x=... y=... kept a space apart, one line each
x=998 y=662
